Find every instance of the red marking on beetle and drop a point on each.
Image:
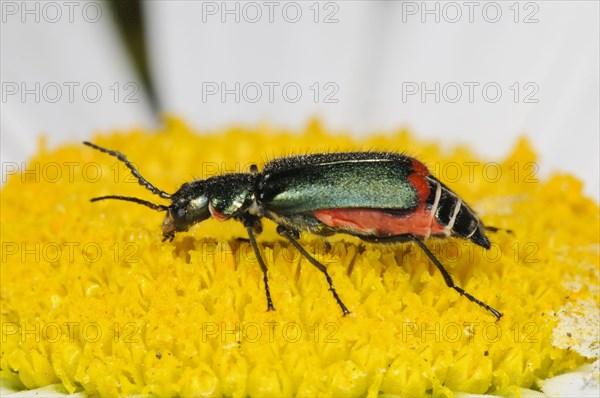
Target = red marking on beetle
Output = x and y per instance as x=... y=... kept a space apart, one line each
x=418 y=181
x=215 y=213
x=419 y=222
x=419 y=167
x=421 y=185
x=380 y=223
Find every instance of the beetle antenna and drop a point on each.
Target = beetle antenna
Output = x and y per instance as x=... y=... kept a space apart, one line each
x=145 y=183
x=151 y=205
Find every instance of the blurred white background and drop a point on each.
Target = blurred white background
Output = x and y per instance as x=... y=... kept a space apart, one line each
x=480 y=73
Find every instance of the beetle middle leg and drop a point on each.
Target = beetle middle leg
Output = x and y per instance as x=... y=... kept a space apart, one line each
x=290 y=235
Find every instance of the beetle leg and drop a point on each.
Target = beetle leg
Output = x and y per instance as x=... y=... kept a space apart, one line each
x=447 y=278
x=263 y=266
x=294 y=233
x=290 y=236
x=169 y=236
x=450 y=281
x=252 y=222
x=496 y=229
x=387 y=239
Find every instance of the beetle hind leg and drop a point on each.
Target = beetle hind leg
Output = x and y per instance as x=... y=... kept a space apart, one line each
x=450 y=281
x=496 y=229
x=291 y=236
x=447 y=277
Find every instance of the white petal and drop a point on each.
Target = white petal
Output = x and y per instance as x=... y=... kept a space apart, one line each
x=373 y=52
x=63 y=53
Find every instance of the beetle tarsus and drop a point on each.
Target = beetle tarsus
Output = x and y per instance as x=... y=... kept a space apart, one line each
x=495 y=312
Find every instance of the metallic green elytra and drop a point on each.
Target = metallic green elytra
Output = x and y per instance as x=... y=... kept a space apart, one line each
x=340 y=180
x=380 y=197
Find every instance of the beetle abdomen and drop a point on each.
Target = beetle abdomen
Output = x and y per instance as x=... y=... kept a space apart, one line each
x=380 y=223
x=456 y=216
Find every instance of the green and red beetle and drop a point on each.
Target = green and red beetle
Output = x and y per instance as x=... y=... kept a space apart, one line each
x=380 y=197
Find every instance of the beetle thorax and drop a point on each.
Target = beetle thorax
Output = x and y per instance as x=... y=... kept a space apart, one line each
x=230 y=195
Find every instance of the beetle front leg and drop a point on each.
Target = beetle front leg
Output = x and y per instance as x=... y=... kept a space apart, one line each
x=169 y=236
x=289 y=235
x=261 y=262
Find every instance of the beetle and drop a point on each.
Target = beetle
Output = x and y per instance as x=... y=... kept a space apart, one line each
x=379 y=197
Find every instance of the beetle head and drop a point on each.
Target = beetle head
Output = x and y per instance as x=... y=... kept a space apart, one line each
x=223 y=197
x=189 y=206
